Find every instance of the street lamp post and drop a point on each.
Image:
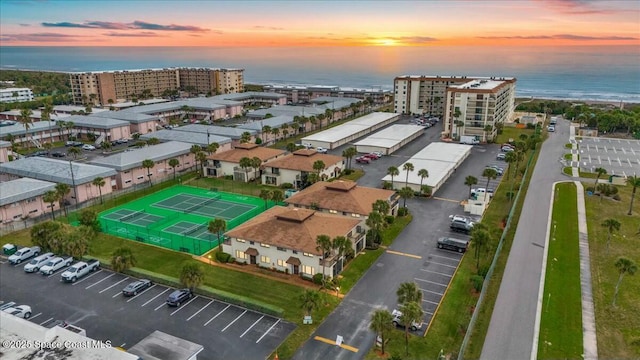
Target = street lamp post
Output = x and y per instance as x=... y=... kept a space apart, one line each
x=209 y=256
x=73 y=182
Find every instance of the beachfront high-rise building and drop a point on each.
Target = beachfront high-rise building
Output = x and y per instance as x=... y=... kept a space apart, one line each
x=106 y=87
x=479 y=101
x=9 y=95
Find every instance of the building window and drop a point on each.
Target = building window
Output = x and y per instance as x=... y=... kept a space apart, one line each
x=282 y=249
x=127 y=182
x=294 y=251
x=240 y=255
x=307 y=254
x=252 y=242
x=241 y=240
x=265 y=245
x=30 y=200
x=140 y=177
x=333 y=211
x=33 y=211
x=281 y=262
x=355 y=215
x=265 y=259
x=308 y=269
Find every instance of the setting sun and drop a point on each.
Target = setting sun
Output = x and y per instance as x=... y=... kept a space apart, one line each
x=385 y=42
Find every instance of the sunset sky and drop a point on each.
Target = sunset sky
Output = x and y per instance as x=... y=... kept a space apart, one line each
x=318 y=23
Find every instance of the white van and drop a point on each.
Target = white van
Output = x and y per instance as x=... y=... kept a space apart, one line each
x=36 y=263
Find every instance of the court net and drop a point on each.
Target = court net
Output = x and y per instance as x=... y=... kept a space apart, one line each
x=192 y=230
x=132 y=215
x=202 y=204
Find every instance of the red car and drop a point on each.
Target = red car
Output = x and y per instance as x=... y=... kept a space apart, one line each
x=363 y=160
x=371 y=156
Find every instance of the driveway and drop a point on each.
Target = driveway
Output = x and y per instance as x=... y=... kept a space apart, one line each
x=95 y=303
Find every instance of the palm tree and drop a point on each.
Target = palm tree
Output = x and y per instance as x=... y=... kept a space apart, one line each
x=309 y=301
x=265 y=130
x=611 y=225
x=343 y=245
x=318 y=166
x=245 y=164
x=634 y=181
x=202 y=157
x=245 y=137
x=490 y=174
x=148 y=164
x=381 y=206
x=105 y=145
x=50 y=197
x=510 y=158
x=217 y=226
x=405 y=193
x=276 y=132
x=75 y=152
x=62 y=190
x=323 y=243
x=195 y=149
x=487 y=129
x=122 y=259
x=99 y=182
x=191 y=275
x=470 y=181
x=277 y=196
x=624 y=266
x=423 y=173
x=173 y=163
x=46 y=112
x=375 y=222
x=212 y=148
x=381 y=323
x=411 y=313
x=409 y=292
x=256 y=163
x=407 y=167
x=480 y=239
x=26 y=120
x=266 y=196
x=69 y=125
x=393 y=171
x=458 y=124
x=599 y=172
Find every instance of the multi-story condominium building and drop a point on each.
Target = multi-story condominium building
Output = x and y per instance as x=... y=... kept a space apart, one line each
x=304 y=94
x=475 y=107
x=15 y=95
x=109 y=87
x=423 y=94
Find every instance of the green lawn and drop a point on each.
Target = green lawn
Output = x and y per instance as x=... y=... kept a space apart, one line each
x=567 y=170
x=568 y=156
x=568 y=146
x=561 y=323
x=617 y=328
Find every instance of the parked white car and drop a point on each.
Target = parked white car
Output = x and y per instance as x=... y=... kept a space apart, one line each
x=55 y=264
x=24 y=254
x=321 y=150
x=36 y=263
x=88 y=147
x=22 y=311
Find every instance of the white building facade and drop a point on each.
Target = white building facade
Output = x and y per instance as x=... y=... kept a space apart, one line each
x=10 y=95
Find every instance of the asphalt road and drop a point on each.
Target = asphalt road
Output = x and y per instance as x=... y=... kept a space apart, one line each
x=426 y=265
x=511 y=330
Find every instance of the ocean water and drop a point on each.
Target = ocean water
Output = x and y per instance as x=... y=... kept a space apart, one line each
x=608 y=73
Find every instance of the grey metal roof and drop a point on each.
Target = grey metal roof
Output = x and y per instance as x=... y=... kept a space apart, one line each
x=274 y=122
x=70 y=108
x=328 y=99
x=18 y=128
x=4 y=144
x=96 y=122
x=187 y=137
x=24 y=188
x=251 y=95
x=131 y=117
x=207 y=104
x=55 y=170
x=291 y=110
x=234 y=133
x=133 y=159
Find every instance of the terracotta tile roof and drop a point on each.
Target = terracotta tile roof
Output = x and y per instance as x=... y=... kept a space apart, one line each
x=295 y=229
x=246 y=150
x=340 y=196
x=302 y=160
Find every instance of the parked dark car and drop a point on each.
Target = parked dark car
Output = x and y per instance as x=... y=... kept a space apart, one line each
x=58 y=154
x=453 y=244
x=179 y=297
x=135 y=287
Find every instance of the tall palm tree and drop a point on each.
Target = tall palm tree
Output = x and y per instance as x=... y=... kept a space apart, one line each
x=342 y=245
x=487 y=129
x=277 y=196
x=75 y=152
x=381 y=206
x=245 y=164
x=349 y=153
x=212 y=148
x=217 y=226
x=195 y=149
x=510 y=158
x=202 y=157
x=323 y=244
x=611 y=225
x=634 y=181
x=423 y=173
x=26 y=120
x=46 y=112
x=122 y=259
x=470 y=181
x=381 y=324
x=411 y=313
x=174 y=163
x=50 y=197
x=99 y=182
x=319 y=166
x=191 y=275
x=309 y=301
x=409 y=292
x=393 y=171
x=375 y=222
x=148 y=164
x=62 y=190
x=407 y=167
x=490 y=174
x=405 y=193
x=624 y=266
x=480 y=239
x=599 y=172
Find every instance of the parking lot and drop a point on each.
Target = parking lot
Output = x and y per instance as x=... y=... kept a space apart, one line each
x=96 y=304
x=617 y=156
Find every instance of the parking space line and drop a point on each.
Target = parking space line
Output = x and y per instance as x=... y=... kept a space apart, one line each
x=143 y=291
x=46 y=321
x=35 y=316
x=183 y=305
x=236 y=319
x=215 y=316
x=435 y=272
x=155 y=297
x=449 y=200
x=430 y=282
x=113 y=285
x=116 y=294
x=445 y=257
x=427 y=312
x=430 y=302
x=159 y=306
x=265 y=334
x=451 y=266
x=55 y=273
x=96 y=283
x=250 y=327
x=429 y=291
x=197 y=312
x=404 y=254
x=88 y=277
x=332 y=342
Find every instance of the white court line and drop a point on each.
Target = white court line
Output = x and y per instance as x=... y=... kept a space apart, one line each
x=430 y=282
x=184 y=305
x=143 y=291
x=35 y=316
x=451 y=266
x=125 y=279
x=46 y=321
x=236 y=319
x=218 y=314
x=197 y=312
x=430 y=302
x=445 y=257
x=250 y=327
x=265 y=334
x=435 y=272
x=429 y=291
x=154 y=297
x=96 y=283
x=88 y=277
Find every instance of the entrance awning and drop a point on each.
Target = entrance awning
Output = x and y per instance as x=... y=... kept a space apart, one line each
x=251 y=252
x=294 y=261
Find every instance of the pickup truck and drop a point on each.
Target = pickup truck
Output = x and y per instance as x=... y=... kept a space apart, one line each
x=24 y=254
x=79 y=270
x=55 y=264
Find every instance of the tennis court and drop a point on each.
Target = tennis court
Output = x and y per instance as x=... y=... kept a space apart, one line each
x=178 y=217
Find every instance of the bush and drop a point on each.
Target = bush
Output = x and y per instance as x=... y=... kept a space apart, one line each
x=347 y=171
x=258 y=141
x=223 y=257
x=510 y=195
x=228 y=177
x=389 y=219
x=477 y=281
x=232 y=259
x=317 y=279
x=387 y=185
x=530 y=126
x=590 y=189
x=403 y=211
x=286 y=186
